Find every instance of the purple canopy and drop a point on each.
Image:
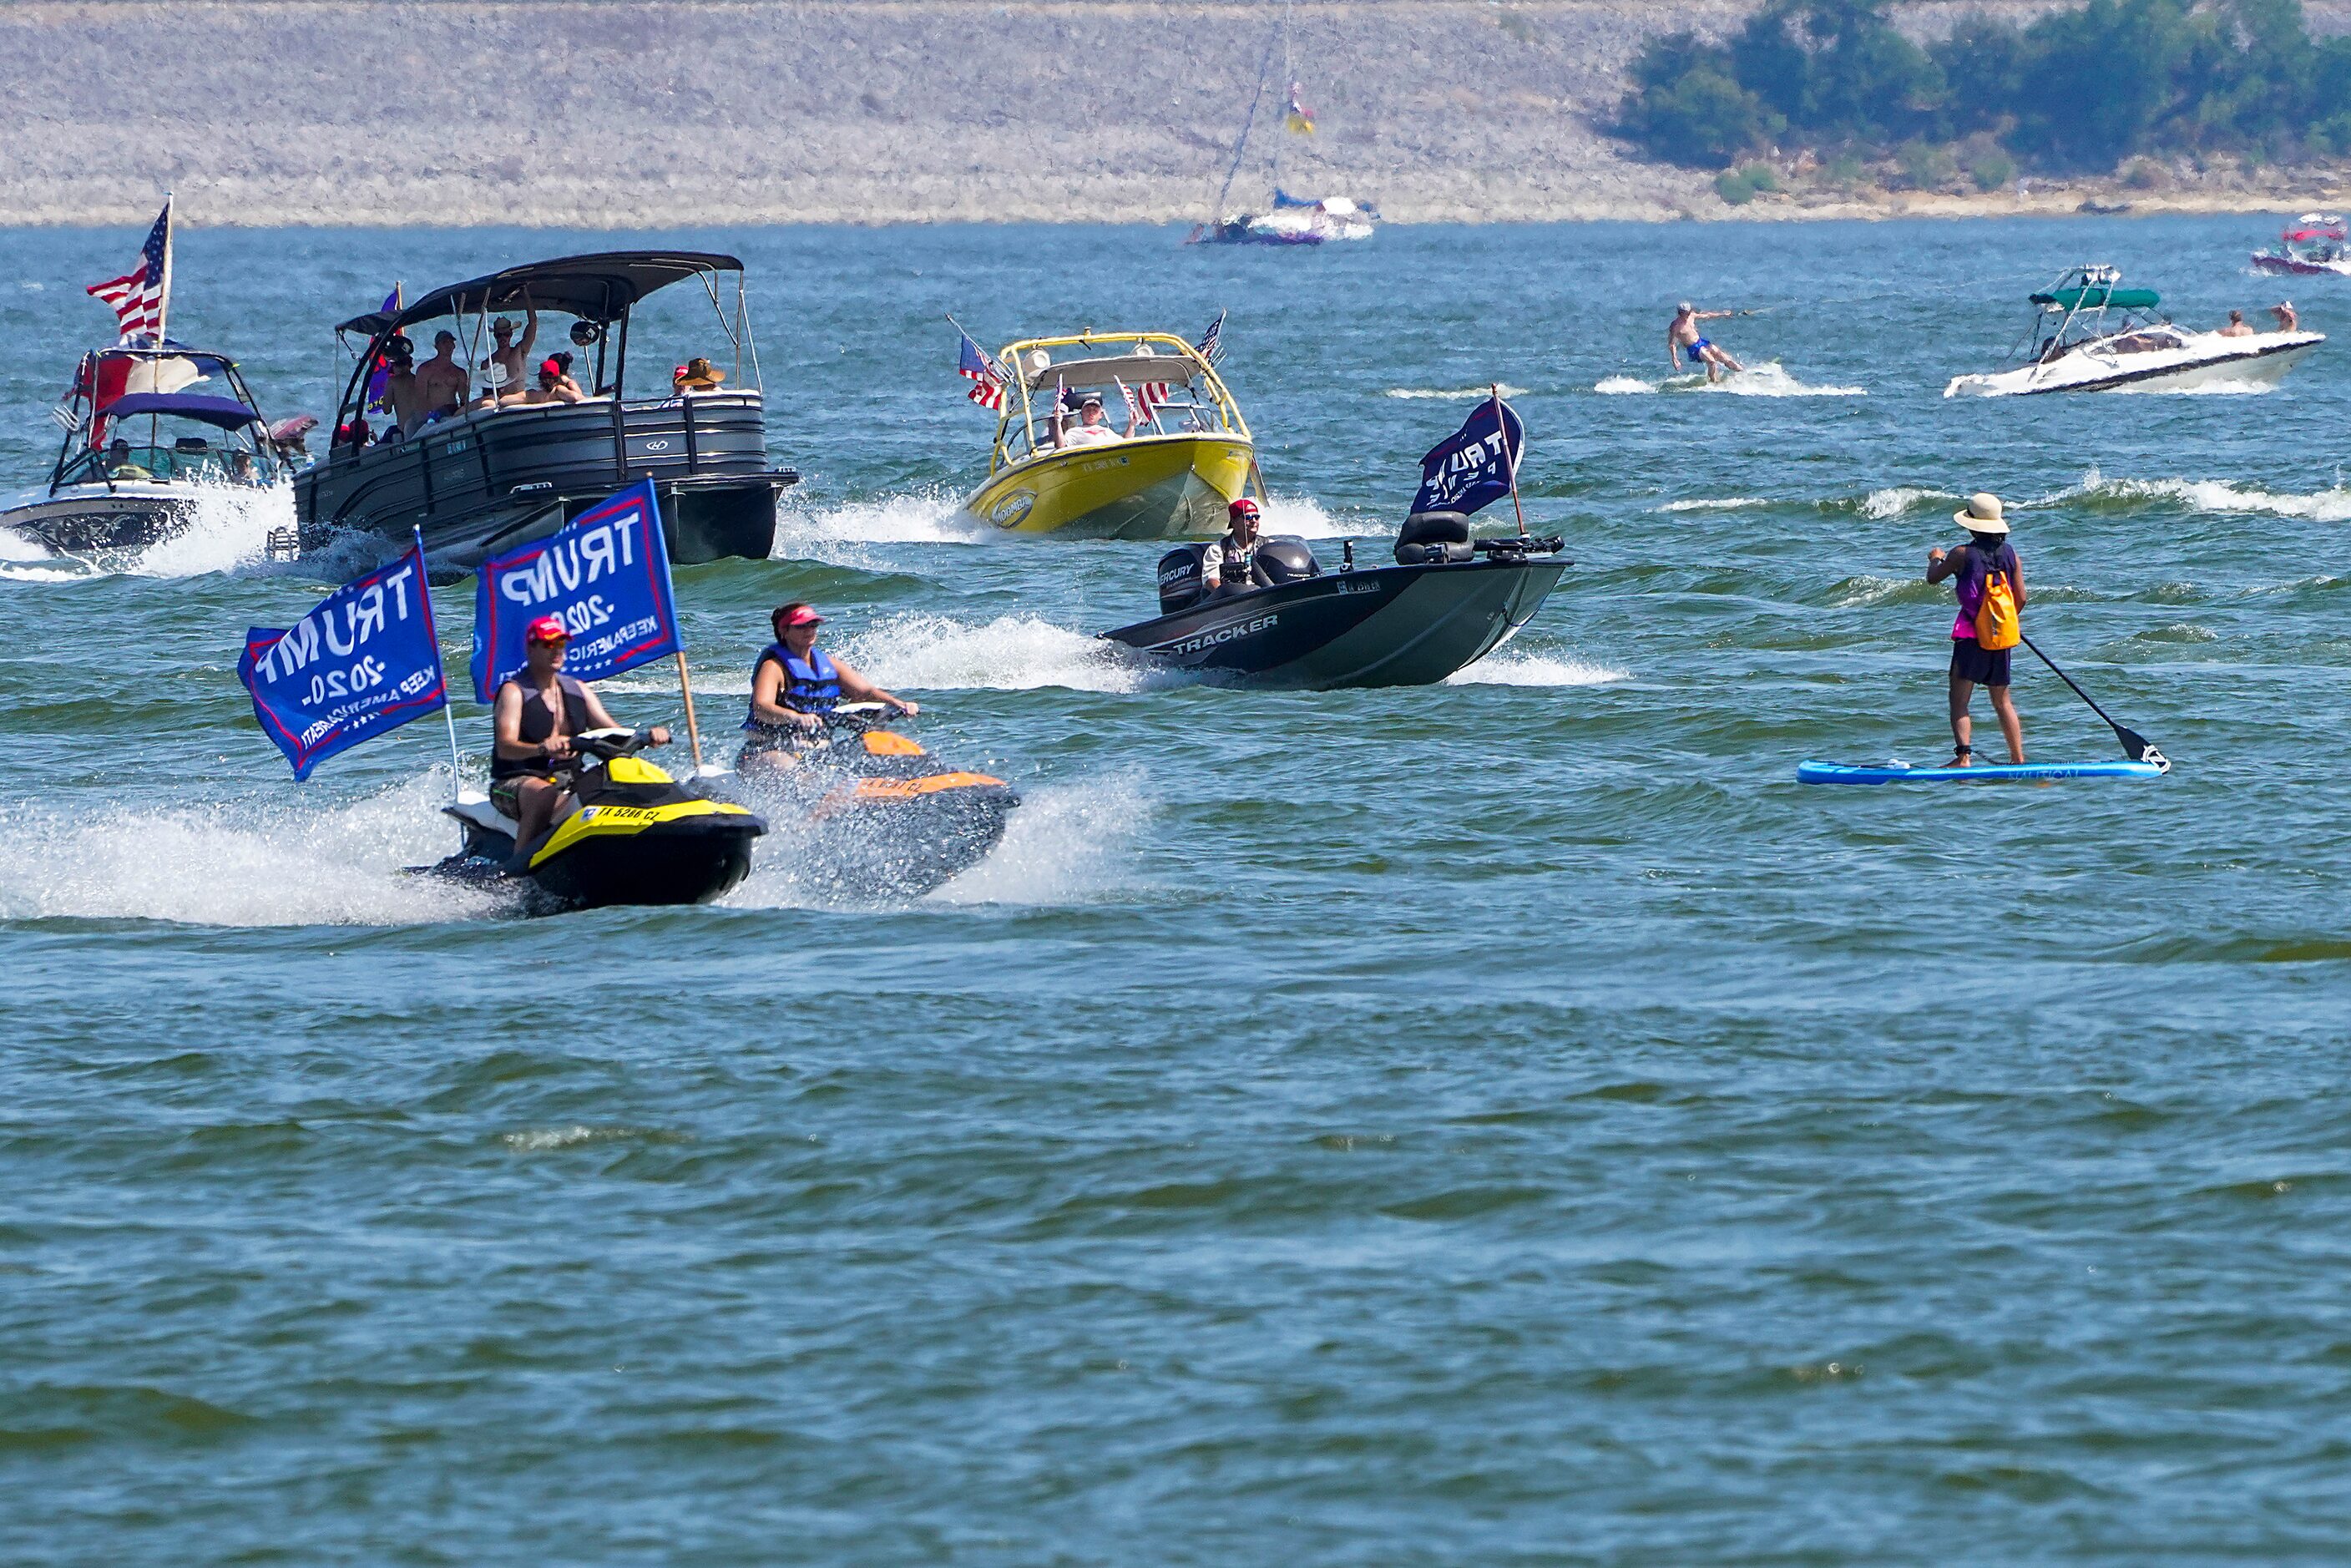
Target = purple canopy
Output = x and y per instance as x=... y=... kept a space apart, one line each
x=224 y=412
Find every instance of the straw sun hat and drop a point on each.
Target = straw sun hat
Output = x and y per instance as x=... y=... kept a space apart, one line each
x=1981 y=514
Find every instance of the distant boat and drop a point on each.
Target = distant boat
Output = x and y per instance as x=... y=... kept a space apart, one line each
x=2312 y=244
x=142 y=448
x=1291 y=220
x=2071 y=346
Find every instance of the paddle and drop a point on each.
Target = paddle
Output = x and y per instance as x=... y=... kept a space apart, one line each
x=2136 y=747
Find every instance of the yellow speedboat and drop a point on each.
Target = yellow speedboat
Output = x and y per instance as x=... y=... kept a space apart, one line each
x=1164 y=458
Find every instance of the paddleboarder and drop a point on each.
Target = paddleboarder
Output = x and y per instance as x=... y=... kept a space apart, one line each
x=1683 y=338
x=1987 y=561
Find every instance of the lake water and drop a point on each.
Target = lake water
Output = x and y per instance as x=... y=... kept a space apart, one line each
x=1506 y=1122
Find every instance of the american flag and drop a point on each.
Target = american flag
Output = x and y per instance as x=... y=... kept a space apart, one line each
x=1140 y=401
x=986 y=377
x=1212 y=341
x=138 y=297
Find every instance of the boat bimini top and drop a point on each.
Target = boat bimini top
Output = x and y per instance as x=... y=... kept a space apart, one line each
x=598 y=291
x=2073 y=311
x=1159 y=372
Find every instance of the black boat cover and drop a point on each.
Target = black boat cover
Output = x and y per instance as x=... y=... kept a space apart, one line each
x=594 y=288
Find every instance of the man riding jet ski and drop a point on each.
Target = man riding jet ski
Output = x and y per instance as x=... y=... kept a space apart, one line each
x=876 y=815
x=623 y=831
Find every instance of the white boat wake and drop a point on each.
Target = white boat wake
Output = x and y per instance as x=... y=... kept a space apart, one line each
x=1765 y=380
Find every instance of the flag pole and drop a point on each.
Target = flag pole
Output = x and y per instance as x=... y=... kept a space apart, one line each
x=1509 y=459
x=448 y=713
x=693 y=730
x=163 y=305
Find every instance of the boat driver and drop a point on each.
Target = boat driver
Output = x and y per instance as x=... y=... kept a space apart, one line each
x=1230 y=565
x=538 y=711
x=1093 y=428
x=794 y=685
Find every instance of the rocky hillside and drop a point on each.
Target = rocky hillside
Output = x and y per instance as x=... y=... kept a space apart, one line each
x=650 y=112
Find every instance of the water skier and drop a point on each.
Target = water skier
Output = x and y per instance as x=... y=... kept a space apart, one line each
x=1682 y=337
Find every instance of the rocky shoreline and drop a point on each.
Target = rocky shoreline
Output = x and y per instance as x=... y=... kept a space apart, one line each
x=658 y=113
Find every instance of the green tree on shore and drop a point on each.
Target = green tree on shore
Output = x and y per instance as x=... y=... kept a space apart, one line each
x=2080 y=88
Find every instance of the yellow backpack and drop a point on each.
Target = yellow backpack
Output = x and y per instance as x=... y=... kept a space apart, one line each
x=1996 y=621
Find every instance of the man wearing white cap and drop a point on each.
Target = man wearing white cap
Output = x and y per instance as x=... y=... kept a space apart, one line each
x=1985 y=559
x=1682 y=337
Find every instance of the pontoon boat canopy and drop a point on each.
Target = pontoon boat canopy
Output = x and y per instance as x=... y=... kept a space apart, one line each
x=224 y=412
x=594 y=288
x=1131 y=369
x=2091 y=298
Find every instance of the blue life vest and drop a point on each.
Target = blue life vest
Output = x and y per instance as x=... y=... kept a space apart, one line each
x=810 y=686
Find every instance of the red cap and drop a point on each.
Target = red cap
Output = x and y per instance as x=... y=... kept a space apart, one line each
x=1242 y=507
x=548 y=629
x=551 y=368
x=803 y=616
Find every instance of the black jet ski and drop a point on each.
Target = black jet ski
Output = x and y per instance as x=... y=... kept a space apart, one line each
x=637 y=836
x=865 y=812
x=1450 y=600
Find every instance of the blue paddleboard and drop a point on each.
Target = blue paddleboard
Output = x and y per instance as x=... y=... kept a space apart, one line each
x=1982 y=773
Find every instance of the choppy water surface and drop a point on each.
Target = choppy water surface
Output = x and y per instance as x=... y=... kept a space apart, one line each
x=1506 y=1122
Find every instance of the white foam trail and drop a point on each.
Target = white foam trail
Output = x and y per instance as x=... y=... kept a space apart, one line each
x=922 y=517
x=228 y=528
x=1525 y=669
x=1894 y=502
x=1765 y=380
x=1012 y=654
x=278 y=864
x=1453 y=394
x=1727 y=504
x=1304 y=517
x=1064 y=844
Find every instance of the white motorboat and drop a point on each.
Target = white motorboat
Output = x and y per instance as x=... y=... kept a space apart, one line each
x=142 y=445
x=2073 y=345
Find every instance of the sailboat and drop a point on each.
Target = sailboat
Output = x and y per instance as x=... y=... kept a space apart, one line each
x=1292 y=220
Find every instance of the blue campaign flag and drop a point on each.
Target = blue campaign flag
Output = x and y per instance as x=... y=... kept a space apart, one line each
x=1472 y=468
x=604 y=574
x=365 y=661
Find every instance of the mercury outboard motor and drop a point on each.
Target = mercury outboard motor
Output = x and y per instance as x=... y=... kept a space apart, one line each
x=1287 y=560
x=1179 y=578
x=1434 y=537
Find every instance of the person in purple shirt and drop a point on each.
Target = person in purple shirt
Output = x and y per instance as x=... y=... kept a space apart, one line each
x=1972 y=664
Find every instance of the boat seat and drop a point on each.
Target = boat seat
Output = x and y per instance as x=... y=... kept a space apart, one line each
x=1429 y=537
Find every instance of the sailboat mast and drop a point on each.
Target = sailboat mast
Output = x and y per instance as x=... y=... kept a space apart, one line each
x=1241 y=146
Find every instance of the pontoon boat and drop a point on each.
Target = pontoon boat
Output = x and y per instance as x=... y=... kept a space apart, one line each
x=2072 y=346
x=147 y=431
x=482 y=478
x=1177 y=453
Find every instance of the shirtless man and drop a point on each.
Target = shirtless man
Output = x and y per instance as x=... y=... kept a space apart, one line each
x=2288 y=320
x=1682 y=337
x=509 y=355
x=2236 y=327
x=441 y=381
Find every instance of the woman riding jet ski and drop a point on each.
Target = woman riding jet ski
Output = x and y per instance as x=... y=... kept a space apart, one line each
x=878 y=816
x=624 y=831
x=1266 y=612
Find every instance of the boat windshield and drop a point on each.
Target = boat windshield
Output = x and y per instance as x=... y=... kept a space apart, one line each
x=187 y=459
x=1152 y=384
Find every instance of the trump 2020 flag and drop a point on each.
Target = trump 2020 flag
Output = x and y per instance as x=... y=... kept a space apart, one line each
x=1472 y=468
x=365 y=661
x=604 y=574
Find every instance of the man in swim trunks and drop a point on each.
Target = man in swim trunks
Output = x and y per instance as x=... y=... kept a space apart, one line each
x=1972 y=664
x=537 y=710
x=1682 y=337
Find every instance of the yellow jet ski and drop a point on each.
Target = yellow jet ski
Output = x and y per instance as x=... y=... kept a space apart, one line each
x=637 y=836
x=1173 y=454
